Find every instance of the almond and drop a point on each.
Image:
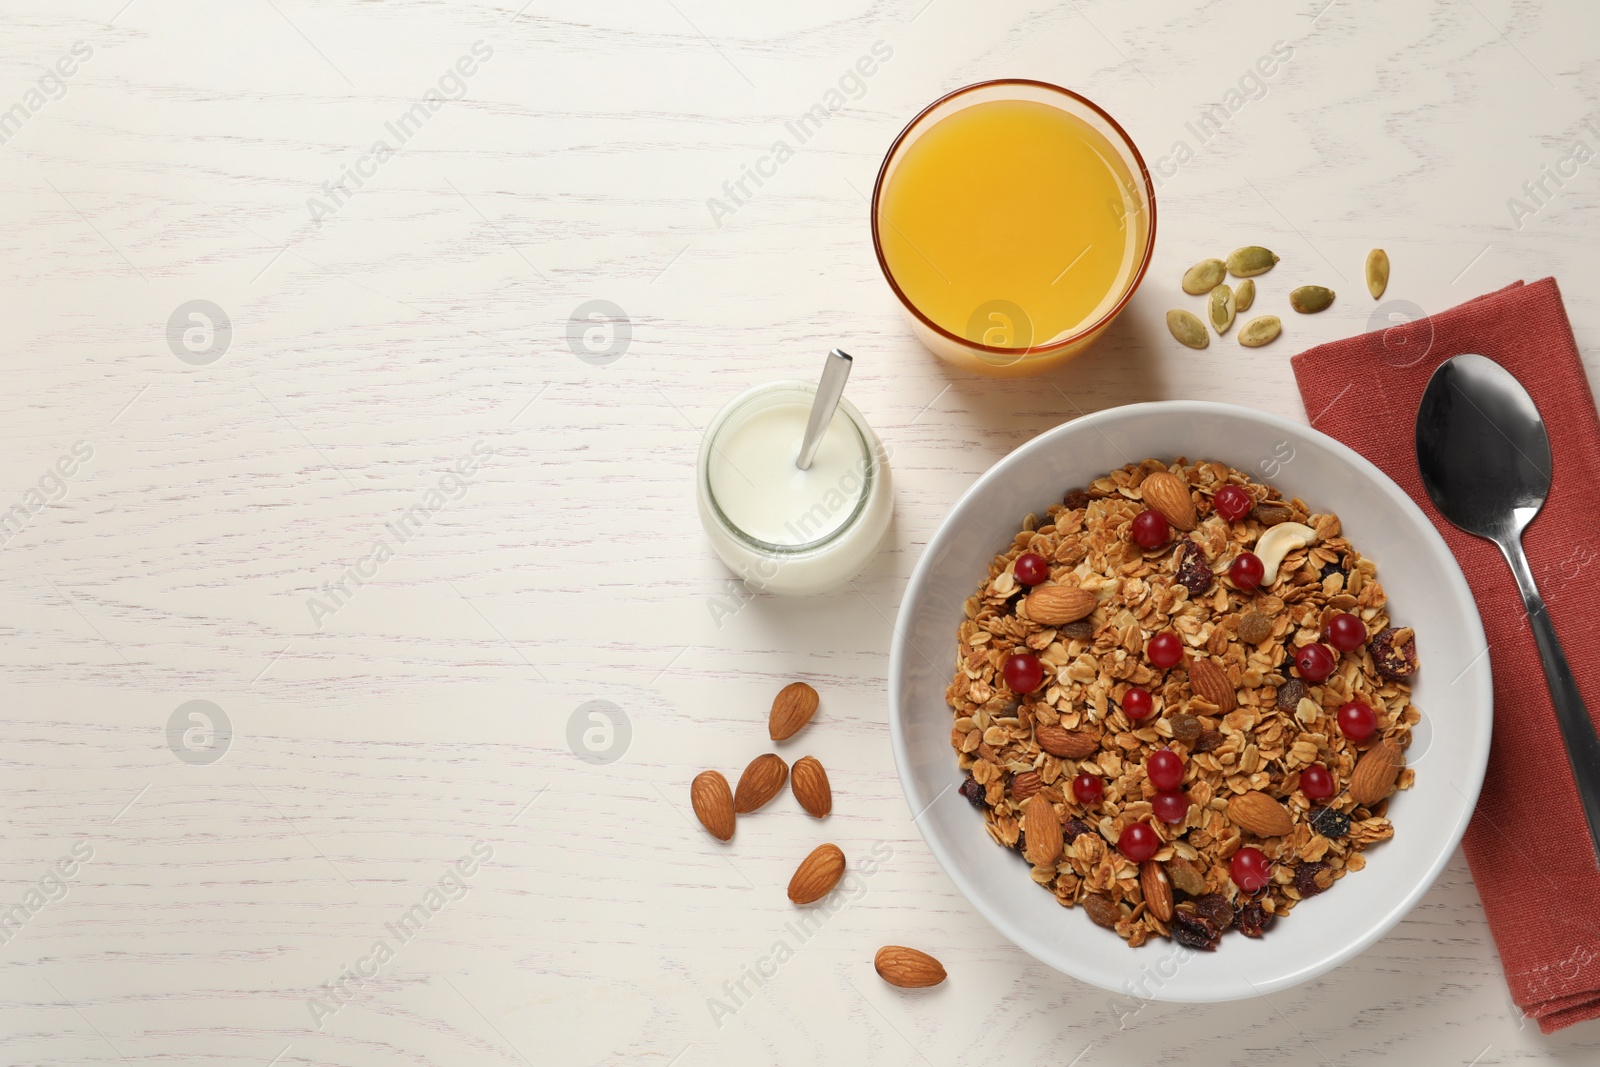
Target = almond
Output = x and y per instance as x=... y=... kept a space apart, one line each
x=760 y=782
x=810 y=784
x=1259 y=814
x=1210 y=681
x=1157 y=888
x=817 y=874
x=1186 y=876
x=713 y=803
x=1065 y=744
x=1168 y=494
x=1057 y=605
x=1043 y=831
x=1023 y=785
x=792 y=708
x=907 y=968
x=1375 y=773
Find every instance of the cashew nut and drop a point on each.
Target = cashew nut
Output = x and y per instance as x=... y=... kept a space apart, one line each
x=1278 y=542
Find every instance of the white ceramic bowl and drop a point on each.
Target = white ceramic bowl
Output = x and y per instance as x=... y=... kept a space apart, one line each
x=1426 y=591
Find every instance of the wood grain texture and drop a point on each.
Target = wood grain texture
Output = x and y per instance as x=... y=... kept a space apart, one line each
x=373 y=746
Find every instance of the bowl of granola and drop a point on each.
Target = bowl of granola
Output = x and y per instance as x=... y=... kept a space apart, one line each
x=1190 y=700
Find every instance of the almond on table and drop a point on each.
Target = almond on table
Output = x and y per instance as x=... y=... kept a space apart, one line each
x=810 y=785
x=907 y=968
x=713 y=803
x=761 y=781
x=817 y=874
x=792 y=708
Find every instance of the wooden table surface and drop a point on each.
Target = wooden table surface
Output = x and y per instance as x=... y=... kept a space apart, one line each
x=391 y=213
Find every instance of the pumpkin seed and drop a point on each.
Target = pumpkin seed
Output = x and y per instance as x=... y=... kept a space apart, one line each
x=1250 y=260
x=1220 y=308
x=1310 y=299
x=1244 y=294
x=1377 y=272
x=1260 y=331
x=1204 y=276
x=1188 y=329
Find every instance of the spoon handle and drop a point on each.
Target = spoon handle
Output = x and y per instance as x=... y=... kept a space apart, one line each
x=834 y=374
x=1572 y=716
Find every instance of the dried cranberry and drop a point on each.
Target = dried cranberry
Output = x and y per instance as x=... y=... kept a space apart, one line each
x=1082 y=630
x=1394 y=662
x=1194 y=574
x=1290 y=694
x=1208 y=740
x=1305 y=878
x=1075 y=499
x=1330 y=823
x=1215 y=908
x=972 y=791
x=1073 y=829
x=1194 y=931
x=1253 y=920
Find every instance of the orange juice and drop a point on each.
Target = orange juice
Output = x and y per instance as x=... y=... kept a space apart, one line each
x=1012 y=223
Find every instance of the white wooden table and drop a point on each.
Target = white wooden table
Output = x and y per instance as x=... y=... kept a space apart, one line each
x=382 y=333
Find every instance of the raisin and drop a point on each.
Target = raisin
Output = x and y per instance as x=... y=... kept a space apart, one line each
x=1305 y=878
x=1082 y=630
x=1022 y=843
x=1290 y=694
x=1208 y=740
x=1214 y=907
x=1194 y=574
x=1270 y=514
x=1075 y=499
x=1330 y=823
x=1394 y=662
x=1073 y=829
x=1102 y=911
x=1185 y=728
x=1254 y=920
x=972 y=791
x=1194 y=931
x=1254 y=628
x=1334 y=567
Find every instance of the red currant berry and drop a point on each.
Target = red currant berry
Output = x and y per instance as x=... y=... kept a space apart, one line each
x=1357 y=721
x=1316 y=782
x=1150 y=529
x=1138 y=842
x=1247 y=570
x=1250 y=869
x=1088 y=789
x=1031 y=568
x=1346 y=632
x=1171 y=806
x=1232 y=503
x=1164 y=649
x=1164 y=768
x=1315 y=662
x=1138 y=703
x=1024 y=673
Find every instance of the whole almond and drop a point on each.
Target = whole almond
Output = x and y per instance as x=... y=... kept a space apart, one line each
x=1043 y=831
x=792 y=708
x=1023 y=785
x=1057 y=605
x=1157 y=888
x=817 y=874
x=1375 y=773
x=1259 y=814
x=1210 y=681
x=1168 y=494
x=760 y=782
x=810 y=784
x=907 y=968
x=1065 y=744
x=713 y=803
x=1186 y=876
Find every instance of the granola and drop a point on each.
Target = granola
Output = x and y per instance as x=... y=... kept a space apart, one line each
x=1280 y=724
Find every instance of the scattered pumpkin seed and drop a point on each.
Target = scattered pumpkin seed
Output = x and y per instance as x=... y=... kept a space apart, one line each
x=1220 y=309
x=1188 y=329
x=1263 y=329
x=1251 y=260
x=1310 y=299
x=1244 y=294
x=1204 y=276
x=1377 y=272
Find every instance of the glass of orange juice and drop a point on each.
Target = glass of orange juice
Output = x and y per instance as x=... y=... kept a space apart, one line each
x=1013 y=219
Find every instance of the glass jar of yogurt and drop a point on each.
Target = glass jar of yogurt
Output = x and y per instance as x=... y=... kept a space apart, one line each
x=782 y=529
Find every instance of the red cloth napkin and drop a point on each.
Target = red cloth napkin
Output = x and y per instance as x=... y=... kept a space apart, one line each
x=1527 y=844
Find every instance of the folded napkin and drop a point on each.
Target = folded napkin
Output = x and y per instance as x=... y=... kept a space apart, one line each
x=1527 y=844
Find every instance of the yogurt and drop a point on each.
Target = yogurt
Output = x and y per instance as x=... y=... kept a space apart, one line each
x=782 y=529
